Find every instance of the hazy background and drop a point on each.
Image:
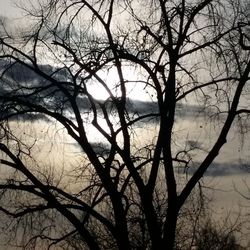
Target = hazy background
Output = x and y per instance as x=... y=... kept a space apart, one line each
x=8 y=8
x=228 y=175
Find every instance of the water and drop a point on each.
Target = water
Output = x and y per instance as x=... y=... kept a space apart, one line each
x=58 y=156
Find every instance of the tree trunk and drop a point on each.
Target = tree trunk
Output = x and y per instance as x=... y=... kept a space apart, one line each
x=122 y=234
x=170 y=227
x=152 y=221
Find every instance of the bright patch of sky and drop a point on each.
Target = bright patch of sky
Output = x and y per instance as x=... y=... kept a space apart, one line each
x=9 y=9
x=14 y=18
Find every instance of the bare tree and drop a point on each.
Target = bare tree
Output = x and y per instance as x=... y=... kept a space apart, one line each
x=129 y=190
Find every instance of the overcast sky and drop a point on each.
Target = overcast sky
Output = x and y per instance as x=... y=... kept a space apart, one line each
x=8 y=9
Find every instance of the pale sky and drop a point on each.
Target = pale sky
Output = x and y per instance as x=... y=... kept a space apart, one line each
x=8 y=9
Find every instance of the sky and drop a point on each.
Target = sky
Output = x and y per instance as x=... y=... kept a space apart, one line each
x=8 y=9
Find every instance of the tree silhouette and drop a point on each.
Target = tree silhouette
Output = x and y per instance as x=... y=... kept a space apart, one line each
x=129 y=195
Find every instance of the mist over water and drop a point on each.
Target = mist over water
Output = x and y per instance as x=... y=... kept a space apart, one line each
x=58 y=155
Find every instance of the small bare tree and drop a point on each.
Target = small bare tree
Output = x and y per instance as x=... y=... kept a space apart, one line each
x=129 y=186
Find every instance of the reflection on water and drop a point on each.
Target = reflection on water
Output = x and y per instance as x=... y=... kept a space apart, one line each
x=51 y=145
x=58 y=154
